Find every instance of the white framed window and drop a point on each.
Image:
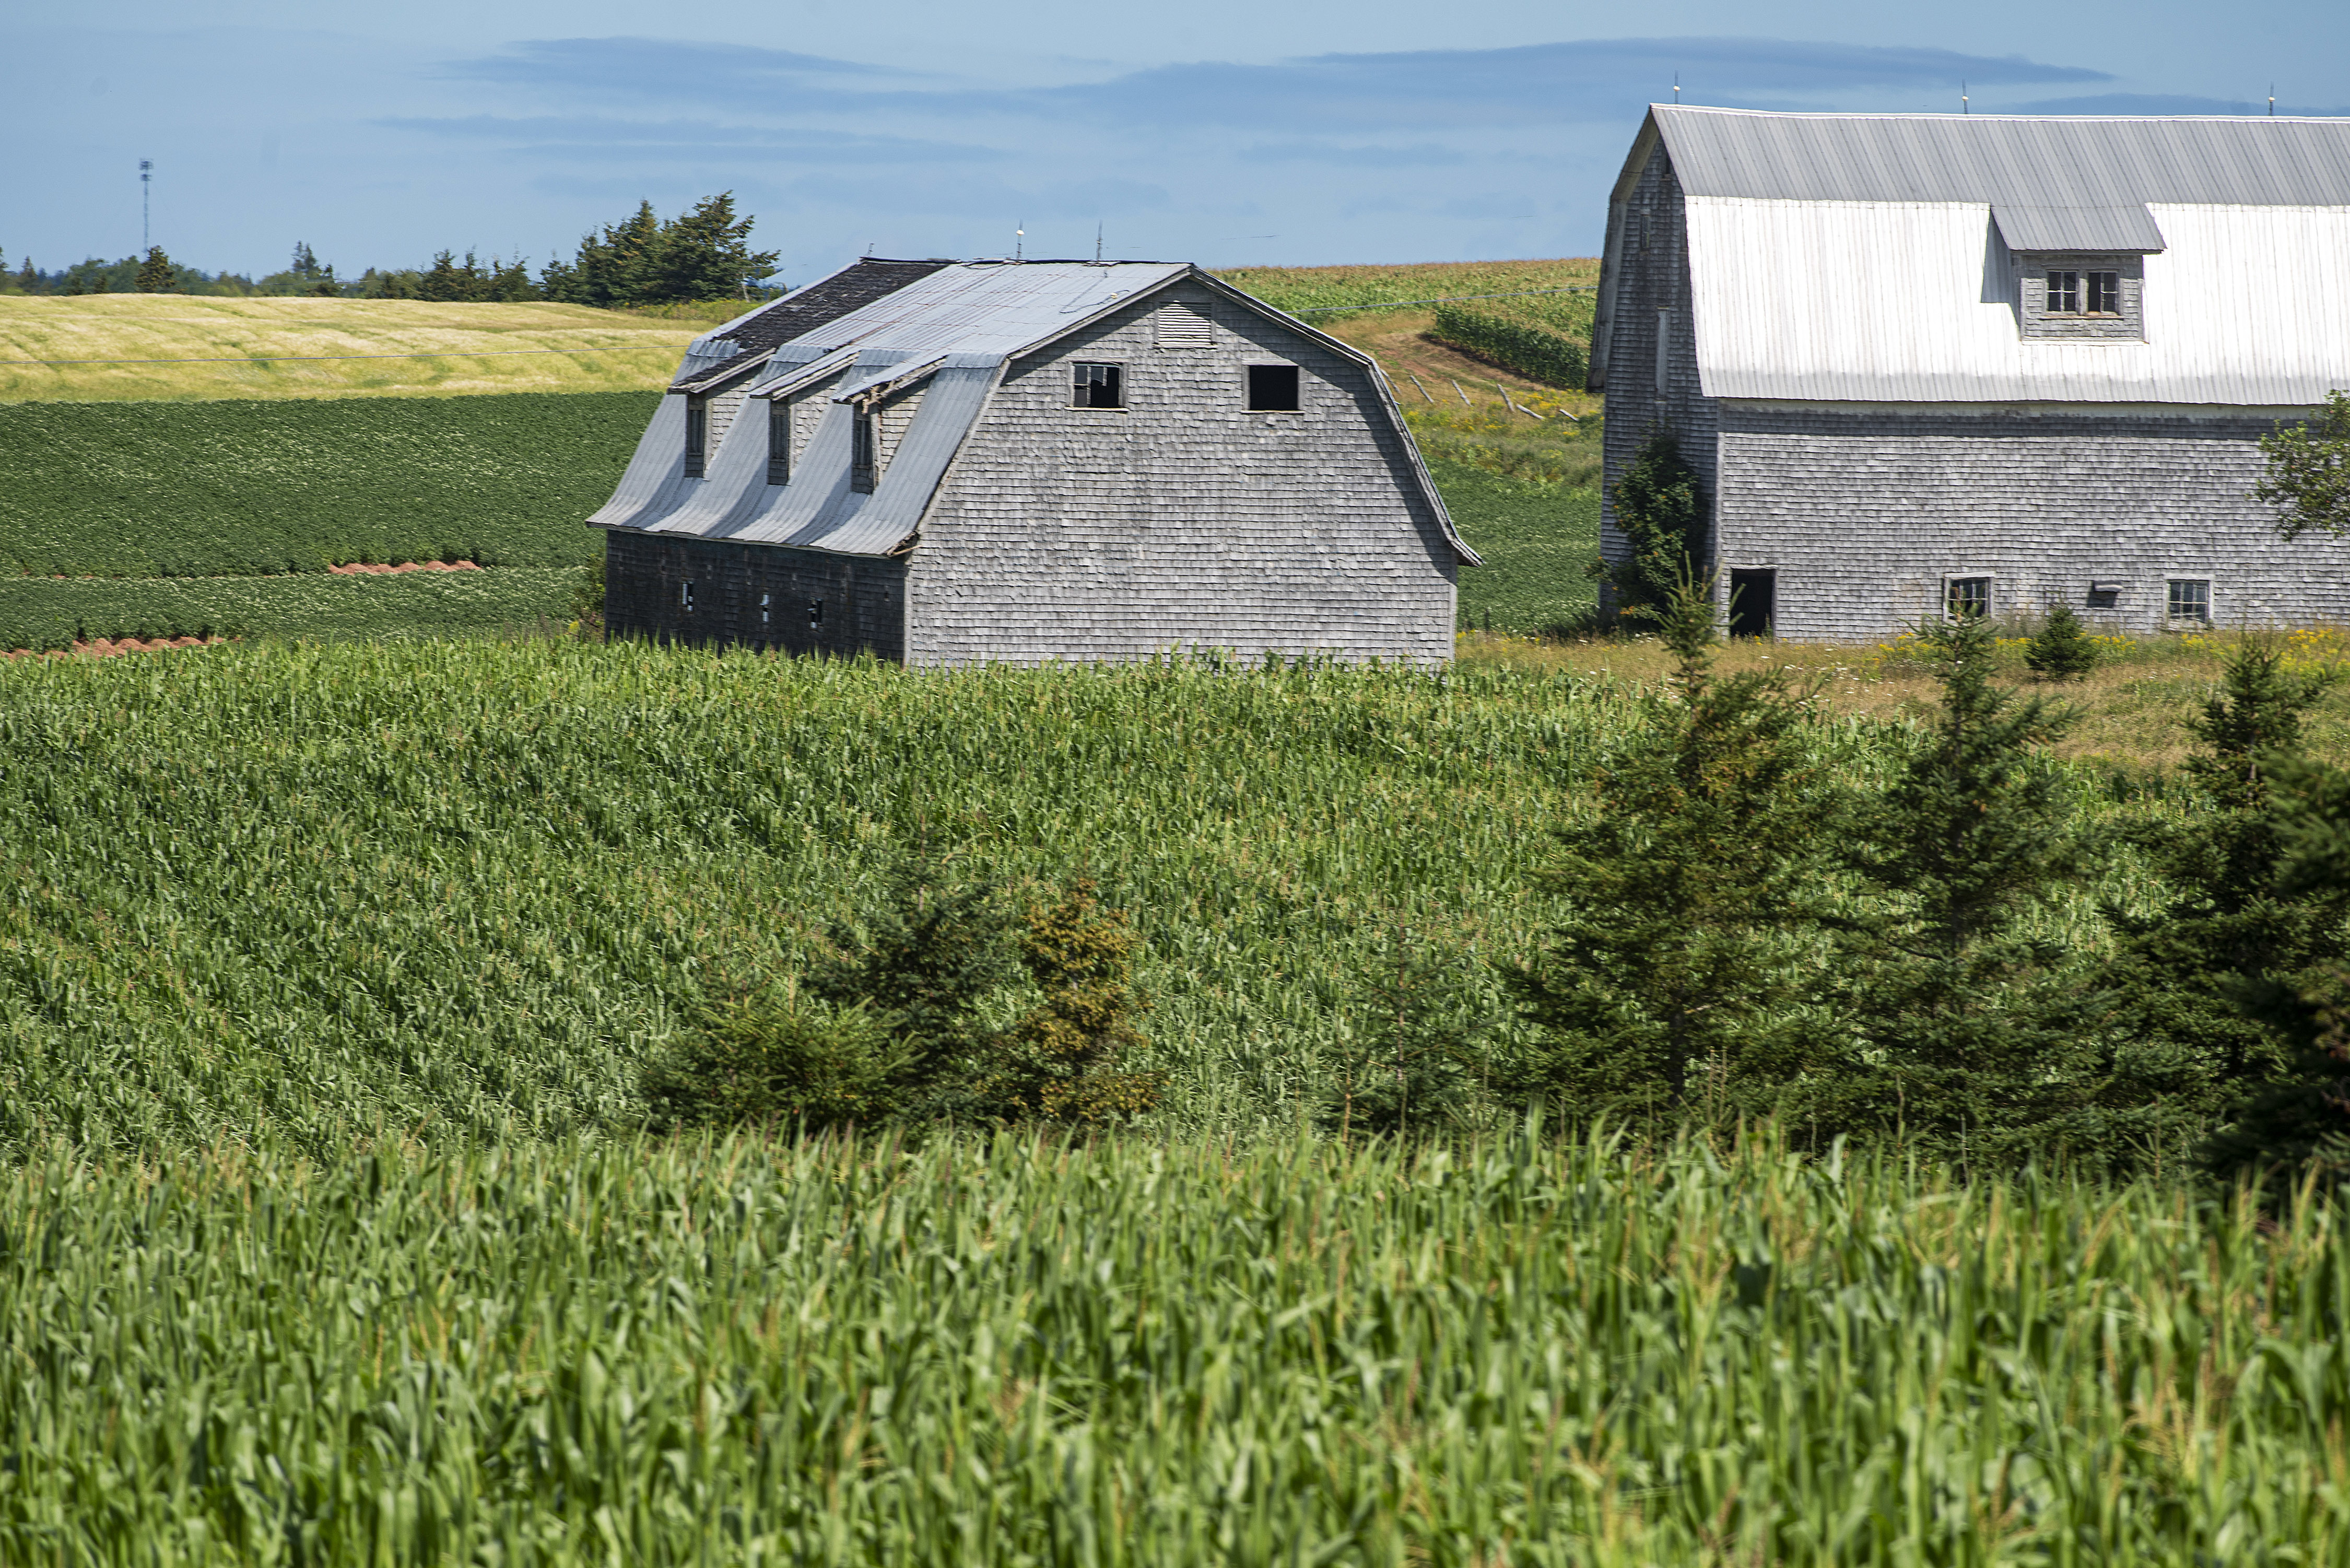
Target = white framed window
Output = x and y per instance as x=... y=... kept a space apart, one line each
x=2063 y=297
x=1965 y=597
x=2189 y=599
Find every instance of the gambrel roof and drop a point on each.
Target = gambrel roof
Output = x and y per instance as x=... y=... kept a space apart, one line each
x=883 y=327
x=1871 y=257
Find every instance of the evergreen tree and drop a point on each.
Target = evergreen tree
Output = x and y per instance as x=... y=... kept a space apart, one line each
x=2301 y=1118
x=305 y=261
x=704 y=254
x=2175 y=987
x=156 y=273
x=28 y=277
x=1411 y=1062
x=446 y=281
x=922 y=955
x=1965 y=1032
x=2060 y=649
x=1659 y=513
x=610 y=269
x=1677 y=980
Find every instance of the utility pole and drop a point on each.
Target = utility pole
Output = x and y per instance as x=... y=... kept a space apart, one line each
x=146 y=207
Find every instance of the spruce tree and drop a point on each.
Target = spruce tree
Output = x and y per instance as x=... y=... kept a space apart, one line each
x=2062 y=649
x=1677 y=980
x=2299 y=1121
x=704 y=254
x=1658 y=512
x=156 y=273
x=1963 y=1029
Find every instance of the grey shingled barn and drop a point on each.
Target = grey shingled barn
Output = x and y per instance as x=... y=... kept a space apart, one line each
x=1931 y=360
x=957 y=462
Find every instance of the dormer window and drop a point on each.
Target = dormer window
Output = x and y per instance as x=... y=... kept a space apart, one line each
x=864 y=441
x=697 y=434
x=2080 y=298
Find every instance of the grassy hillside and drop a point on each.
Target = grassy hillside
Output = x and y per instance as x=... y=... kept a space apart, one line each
x=460 y=338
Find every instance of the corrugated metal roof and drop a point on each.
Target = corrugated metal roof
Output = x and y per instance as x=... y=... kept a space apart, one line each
x=2108 y=229
x=2048 y=161
x=959 y=323
x=1885 y=302
x=723 y=350
x=1871 y=257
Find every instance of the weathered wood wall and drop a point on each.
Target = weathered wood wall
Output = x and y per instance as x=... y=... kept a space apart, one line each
x=762 y=595
x=1182 y=520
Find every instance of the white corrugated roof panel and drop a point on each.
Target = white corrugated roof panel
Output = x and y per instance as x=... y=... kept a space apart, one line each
x=1885 y=302
x=1869 y=257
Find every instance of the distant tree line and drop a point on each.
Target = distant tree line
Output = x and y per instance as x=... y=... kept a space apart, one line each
x=703 y=253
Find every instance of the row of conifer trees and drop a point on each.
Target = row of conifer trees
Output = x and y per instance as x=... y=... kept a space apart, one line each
x=703 y=253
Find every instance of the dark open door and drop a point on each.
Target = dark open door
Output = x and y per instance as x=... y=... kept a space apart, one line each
x=1751 y=594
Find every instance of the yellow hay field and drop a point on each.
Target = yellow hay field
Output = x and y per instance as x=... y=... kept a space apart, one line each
x=472 y=347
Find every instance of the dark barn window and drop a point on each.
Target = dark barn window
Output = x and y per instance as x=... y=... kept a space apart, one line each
x=1272 y=388
x=1966 y=598
x=779 y=442
x=697 y=435
x=685 y=597
x=2105 y=293
x=2063 y=294
x=816 y=614
x=1098 y=387
x=863 y=439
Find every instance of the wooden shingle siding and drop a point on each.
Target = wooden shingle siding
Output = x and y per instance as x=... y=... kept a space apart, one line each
x=1863 y=512
x=1182 y=521
x=1654 y=328
x=864 y=597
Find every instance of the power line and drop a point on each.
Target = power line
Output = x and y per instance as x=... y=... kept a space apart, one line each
x=432 y=354
x=1447 y=299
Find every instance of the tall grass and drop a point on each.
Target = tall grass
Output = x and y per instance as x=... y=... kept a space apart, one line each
x=1136 y=1353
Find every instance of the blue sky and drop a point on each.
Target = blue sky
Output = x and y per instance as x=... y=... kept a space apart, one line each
x=1224 y=132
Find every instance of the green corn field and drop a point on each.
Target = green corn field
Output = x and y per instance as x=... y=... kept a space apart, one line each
x=1162 y=1354
x=331 y=1232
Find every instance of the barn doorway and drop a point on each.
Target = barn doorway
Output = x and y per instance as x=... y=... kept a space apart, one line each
x=1750 y=602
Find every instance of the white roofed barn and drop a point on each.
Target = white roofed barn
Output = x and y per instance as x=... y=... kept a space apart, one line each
x=958 y=462
x=1920 y=360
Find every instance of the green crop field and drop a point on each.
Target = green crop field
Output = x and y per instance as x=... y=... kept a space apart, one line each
x=213 y=491
x=37 y=613
x=329 y=1232
x=241 y=489
x=1135 y=1353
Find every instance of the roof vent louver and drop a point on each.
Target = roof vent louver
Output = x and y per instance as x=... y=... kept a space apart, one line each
x=1181 y=326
